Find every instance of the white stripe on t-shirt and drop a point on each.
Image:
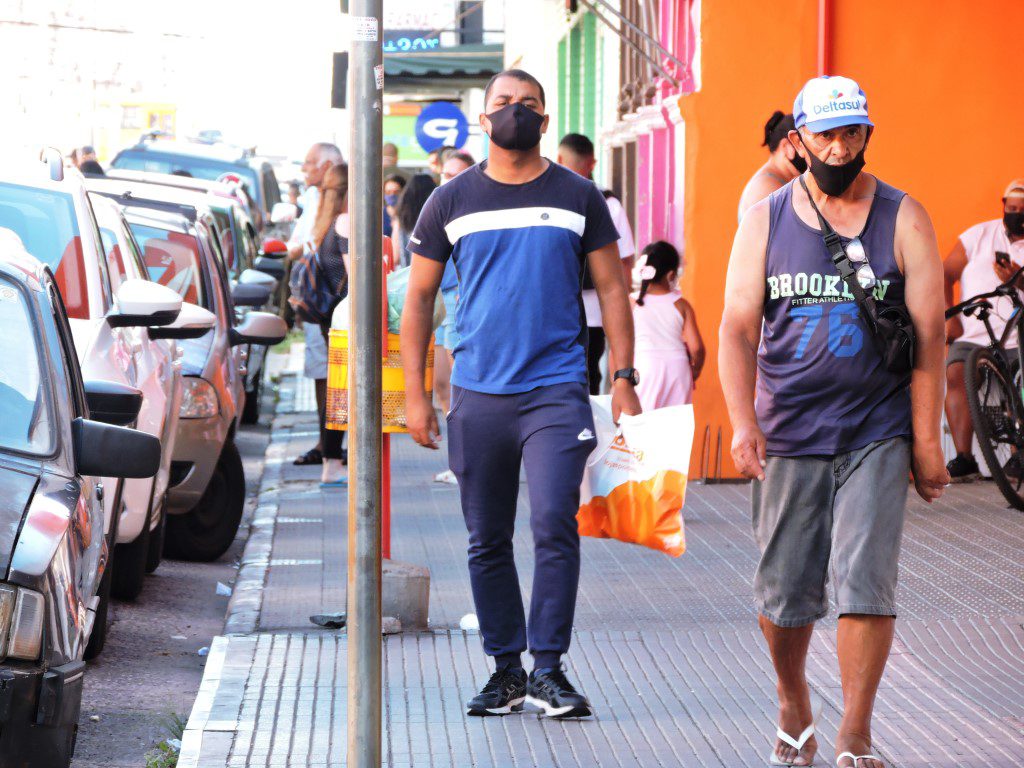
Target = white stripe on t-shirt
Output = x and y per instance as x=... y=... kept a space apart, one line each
x=514 y=218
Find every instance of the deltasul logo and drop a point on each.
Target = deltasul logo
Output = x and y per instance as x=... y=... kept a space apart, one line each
x=837 y=106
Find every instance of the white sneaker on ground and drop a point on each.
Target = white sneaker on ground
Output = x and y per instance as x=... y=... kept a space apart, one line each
x=334 y=474
x=447 y=477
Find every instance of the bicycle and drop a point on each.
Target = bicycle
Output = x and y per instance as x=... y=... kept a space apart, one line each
x=995 y=390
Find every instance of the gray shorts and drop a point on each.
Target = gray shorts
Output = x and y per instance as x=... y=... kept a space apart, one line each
x=959 y=351
x=314 y=365
x=836 y=518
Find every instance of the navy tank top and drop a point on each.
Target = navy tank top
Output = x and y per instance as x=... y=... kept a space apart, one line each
x=822 y=387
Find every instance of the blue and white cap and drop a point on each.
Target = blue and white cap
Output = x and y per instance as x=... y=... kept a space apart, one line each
x=830 y=102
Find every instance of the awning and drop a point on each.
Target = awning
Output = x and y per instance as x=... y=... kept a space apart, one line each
x=462 y=66
x=651 y=49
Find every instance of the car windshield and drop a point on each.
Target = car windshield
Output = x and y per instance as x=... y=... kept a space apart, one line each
x=25 y=423
x=185 y=165
x=45 y=221
x=172 y=259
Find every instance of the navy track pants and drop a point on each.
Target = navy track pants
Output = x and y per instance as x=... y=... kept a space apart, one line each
x=550 y=430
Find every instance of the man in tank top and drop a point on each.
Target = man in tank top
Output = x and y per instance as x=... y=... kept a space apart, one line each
x=826 y=432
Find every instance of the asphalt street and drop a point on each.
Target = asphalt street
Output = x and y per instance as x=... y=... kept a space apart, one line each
x=151 y=667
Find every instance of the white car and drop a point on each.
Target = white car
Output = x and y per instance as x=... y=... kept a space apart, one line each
x=139 y=551
x=48 y=208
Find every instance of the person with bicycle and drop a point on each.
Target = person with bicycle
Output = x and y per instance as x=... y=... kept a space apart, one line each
x=825 y=421
x=984 y=257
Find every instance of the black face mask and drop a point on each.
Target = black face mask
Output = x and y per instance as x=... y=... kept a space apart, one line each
x=515 y=127
x=1014 y=223
x=833 y=180
x=799 y=163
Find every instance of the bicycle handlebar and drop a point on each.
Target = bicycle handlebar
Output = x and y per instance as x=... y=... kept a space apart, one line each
x=1005 y=289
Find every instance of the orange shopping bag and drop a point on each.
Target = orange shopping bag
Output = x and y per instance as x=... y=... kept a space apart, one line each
x=635 y=480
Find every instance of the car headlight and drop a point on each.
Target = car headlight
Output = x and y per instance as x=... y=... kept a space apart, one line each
x=21 y=622
x=199 y=399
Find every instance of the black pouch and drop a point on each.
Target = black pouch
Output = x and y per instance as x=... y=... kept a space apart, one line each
x=896 y=339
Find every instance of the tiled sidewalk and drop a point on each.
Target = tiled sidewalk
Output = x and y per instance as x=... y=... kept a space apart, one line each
x=666 y=649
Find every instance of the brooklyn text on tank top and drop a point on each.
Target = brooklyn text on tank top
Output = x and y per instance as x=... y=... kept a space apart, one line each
x=822 y=388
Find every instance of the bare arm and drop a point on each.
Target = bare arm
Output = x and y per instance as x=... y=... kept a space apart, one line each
x=757 y=189
x=739 y=335
x=923 y=275
x=618 y=322
x=417 y=319
x=691 y=337
x=952 y=269
x=627 y=272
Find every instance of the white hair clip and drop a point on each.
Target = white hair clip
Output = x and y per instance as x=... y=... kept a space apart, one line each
x=647 y=272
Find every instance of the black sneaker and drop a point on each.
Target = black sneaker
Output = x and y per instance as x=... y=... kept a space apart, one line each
x=551 y=691
x=963 y=469
x=504 y=693
x=1013 y=469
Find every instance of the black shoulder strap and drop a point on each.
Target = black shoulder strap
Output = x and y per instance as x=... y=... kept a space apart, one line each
x=842 y=262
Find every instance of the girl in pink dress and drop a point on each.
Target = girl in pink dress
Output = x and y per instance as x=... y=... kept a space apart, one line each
x=669 y=351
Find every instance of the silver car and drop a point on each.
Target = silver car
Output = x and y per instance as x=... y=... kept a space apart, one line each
x=206 y=496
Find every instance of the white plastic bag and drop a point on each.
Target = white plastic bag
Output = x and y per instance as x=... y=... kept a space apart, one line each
x=635 y=480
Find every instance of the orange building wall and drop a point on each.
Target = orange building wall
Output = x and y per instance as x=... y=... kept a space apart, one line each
x=941 y=90
x=754 y=60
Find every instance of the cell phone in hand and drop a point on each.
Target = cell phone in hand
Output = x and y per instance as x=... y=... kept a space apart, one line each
x=1002 y=258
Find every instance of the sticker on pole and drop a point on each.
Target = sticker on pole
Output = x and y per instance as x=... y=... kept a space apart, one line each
x=364 y=29
x=441 y=124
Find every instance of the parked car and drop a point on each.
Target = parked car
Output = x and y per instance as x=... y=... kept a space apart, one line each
x=211 y=162
x=49 y=209
x=236 y=192
x=140 y=532
x=235 y=247
x=207 y=488
x=54 y=556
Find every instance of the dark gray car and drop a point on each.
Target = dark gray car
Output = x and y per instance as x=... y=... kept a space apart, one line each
x=54 y=571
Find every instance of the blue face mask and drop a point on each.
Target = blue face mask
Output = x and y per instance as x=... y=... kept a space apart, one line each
x=390 y=199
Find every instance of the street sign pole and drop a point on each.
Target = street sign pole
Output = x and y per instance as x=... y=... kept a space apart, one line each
x=366 y=106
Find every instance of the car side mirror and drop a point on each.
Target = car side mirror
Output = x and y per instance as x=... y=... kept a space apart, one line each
x=104 y=450
x=257 y=277
x=283 y=212
x=193 y=323
x=275 y=249
x=260 y=328
x=112 y=403
x=144 y=303
x=248 y=295
x=272 y=266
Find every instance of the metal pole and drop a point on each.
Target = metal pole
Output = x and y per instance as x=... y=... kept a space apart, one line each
x=365 y=88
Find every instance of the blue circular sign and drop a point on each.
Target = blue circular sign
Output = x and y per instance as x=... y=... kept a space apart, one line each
x=441 y=124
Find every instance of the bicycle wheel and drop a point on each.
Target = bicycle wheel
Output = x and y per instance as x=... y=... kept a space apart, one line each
x=996 y=416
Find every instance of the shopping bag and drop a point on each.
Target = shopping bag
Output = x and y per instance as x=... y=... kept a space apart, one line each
x=635 y=479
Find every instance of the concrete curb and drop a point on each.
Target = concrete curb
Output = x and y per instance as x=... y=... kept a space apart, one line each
x=243 y=612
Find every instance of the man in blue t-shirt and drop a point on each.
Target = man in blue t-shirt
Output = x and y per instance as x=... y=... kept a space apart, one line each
x=518 y=229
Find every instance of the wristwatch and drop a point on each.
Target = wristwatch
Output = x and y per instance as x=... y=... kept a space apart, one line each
x=629 y=374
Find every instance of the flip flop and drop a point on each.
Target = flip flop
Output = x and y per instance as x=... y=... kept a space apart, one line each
x=797 y=744
x=312 y=456
x=856 y=758
x=343 y=483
